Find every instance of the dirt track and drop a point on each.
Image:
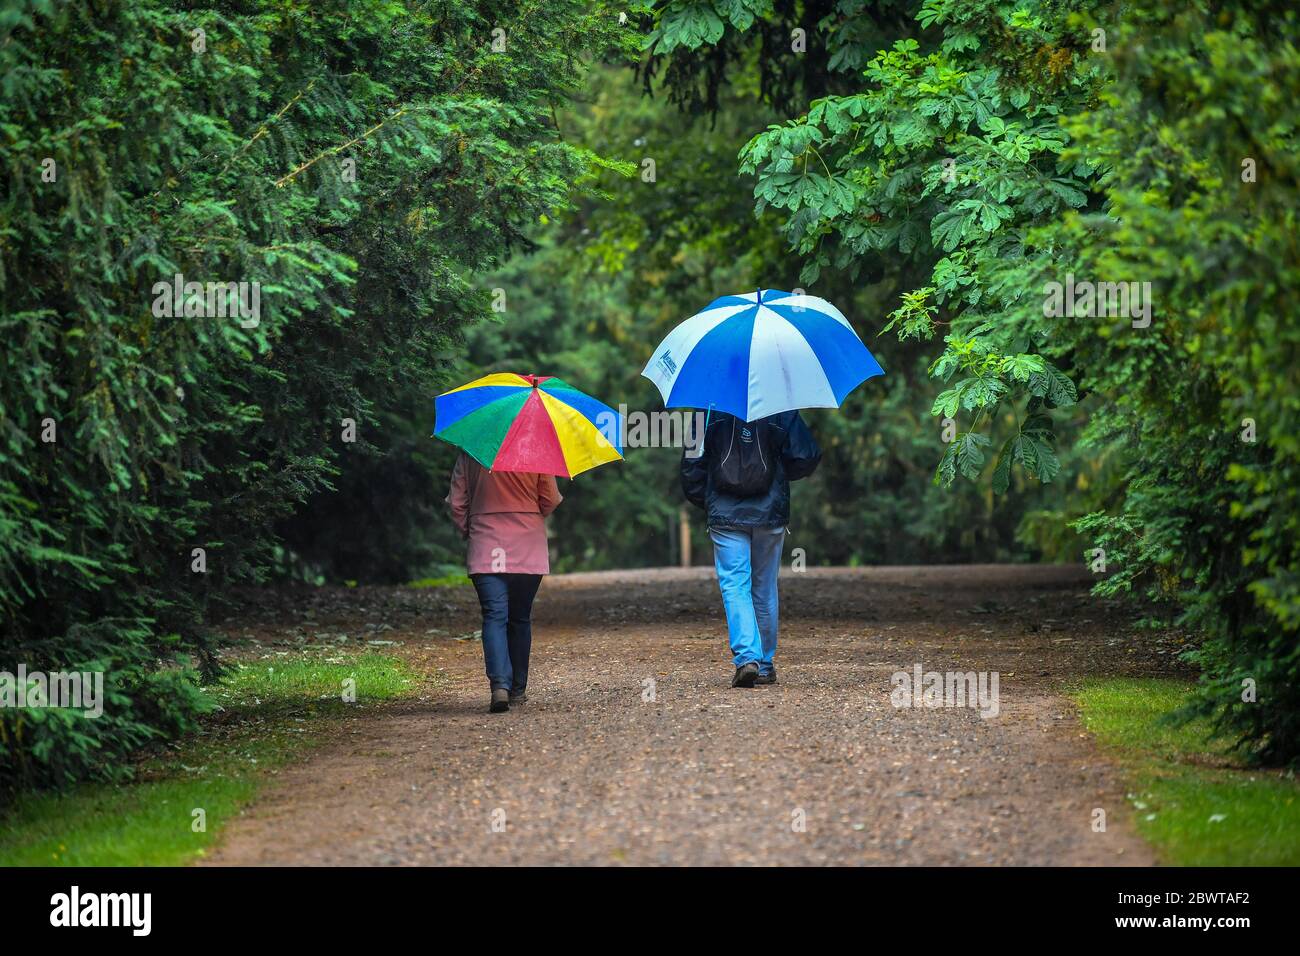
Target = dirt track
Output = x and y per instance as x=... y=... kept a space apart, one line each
x=589 y=772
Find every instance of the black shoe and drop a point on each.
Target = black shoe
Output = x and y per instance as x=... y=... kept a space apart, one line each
x=746 y=674
x=519 y=696
x=500 y=701
x=767 y=678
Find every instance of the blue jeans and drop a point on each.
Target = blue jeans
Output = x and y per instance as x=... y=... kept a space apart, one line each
x=507 y=603
x=748 y=561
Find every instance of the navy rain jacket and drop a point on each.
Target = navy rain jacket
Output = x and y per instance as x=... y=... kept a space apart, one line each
x=798 y=458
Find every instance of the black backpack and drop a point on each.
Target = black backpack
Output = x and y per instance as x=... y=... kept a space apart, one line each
x=743 y=458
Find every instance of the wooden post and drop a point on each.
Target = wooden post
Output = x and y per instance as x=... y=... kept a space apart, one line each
x=684 y=535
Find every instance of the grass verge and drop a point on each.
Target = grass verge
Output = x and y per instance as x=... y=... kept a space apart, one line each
x=446 y=581
x=1195 y=802
x=273 y=712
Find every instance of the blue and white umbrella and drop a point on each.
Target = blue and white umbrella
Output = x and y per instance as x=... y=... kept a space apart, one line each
x=759 y=353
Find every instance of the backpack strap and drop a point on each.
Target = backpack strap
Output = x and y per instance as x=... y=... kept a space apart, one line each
x=731 y=444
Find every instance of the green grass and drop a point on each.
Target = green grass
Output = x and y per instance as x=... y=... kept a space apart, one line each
x=1195 y=802
x=446 y=581
x=272 y=712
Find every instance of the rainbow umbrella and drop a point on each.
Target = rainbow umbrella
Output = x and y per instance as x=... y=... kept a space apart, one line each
x=533 y=423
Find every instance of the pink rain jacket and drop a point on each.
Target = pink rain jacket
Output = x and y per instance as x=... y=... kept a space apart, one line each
x=502 y=514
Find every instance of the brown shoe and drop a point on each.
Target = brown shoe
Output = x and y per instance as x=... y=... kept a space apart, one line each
x=500 y=701
x=767 y=678
x=745 y=676
x=518 y=697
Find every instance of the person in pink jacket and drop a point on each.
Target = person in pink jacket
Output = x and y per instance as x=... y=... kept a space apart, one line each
x=502 y=514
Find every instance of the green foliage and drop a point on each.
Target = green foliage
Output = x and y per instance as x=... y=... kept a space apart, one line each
x=948 y=157
x=360 y=161
x=1204 y=400
x=786 y=50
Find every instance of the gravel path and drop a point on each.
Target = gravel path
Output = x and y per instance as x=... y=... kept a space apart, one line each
x=818 y=769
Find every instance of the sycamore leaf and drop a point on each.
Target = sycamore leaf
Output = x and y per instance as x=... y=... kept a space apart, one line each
x=1053 y=385
x=969 y=453
x=1002 y=470
x=1037 y=457
x=947 y=228
x=947 y=402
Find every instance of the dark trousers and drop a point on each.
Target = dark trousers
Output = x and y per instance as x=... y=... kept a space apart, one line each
x=507 y=603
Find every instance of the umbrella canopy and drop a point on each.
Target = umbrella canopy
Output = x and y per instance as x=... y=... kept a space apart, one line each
x=532 y=423
x=759 y=353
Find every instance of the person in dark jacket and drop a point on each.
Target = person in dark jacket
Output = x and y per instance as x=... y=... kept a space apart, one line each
x=741 y=477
